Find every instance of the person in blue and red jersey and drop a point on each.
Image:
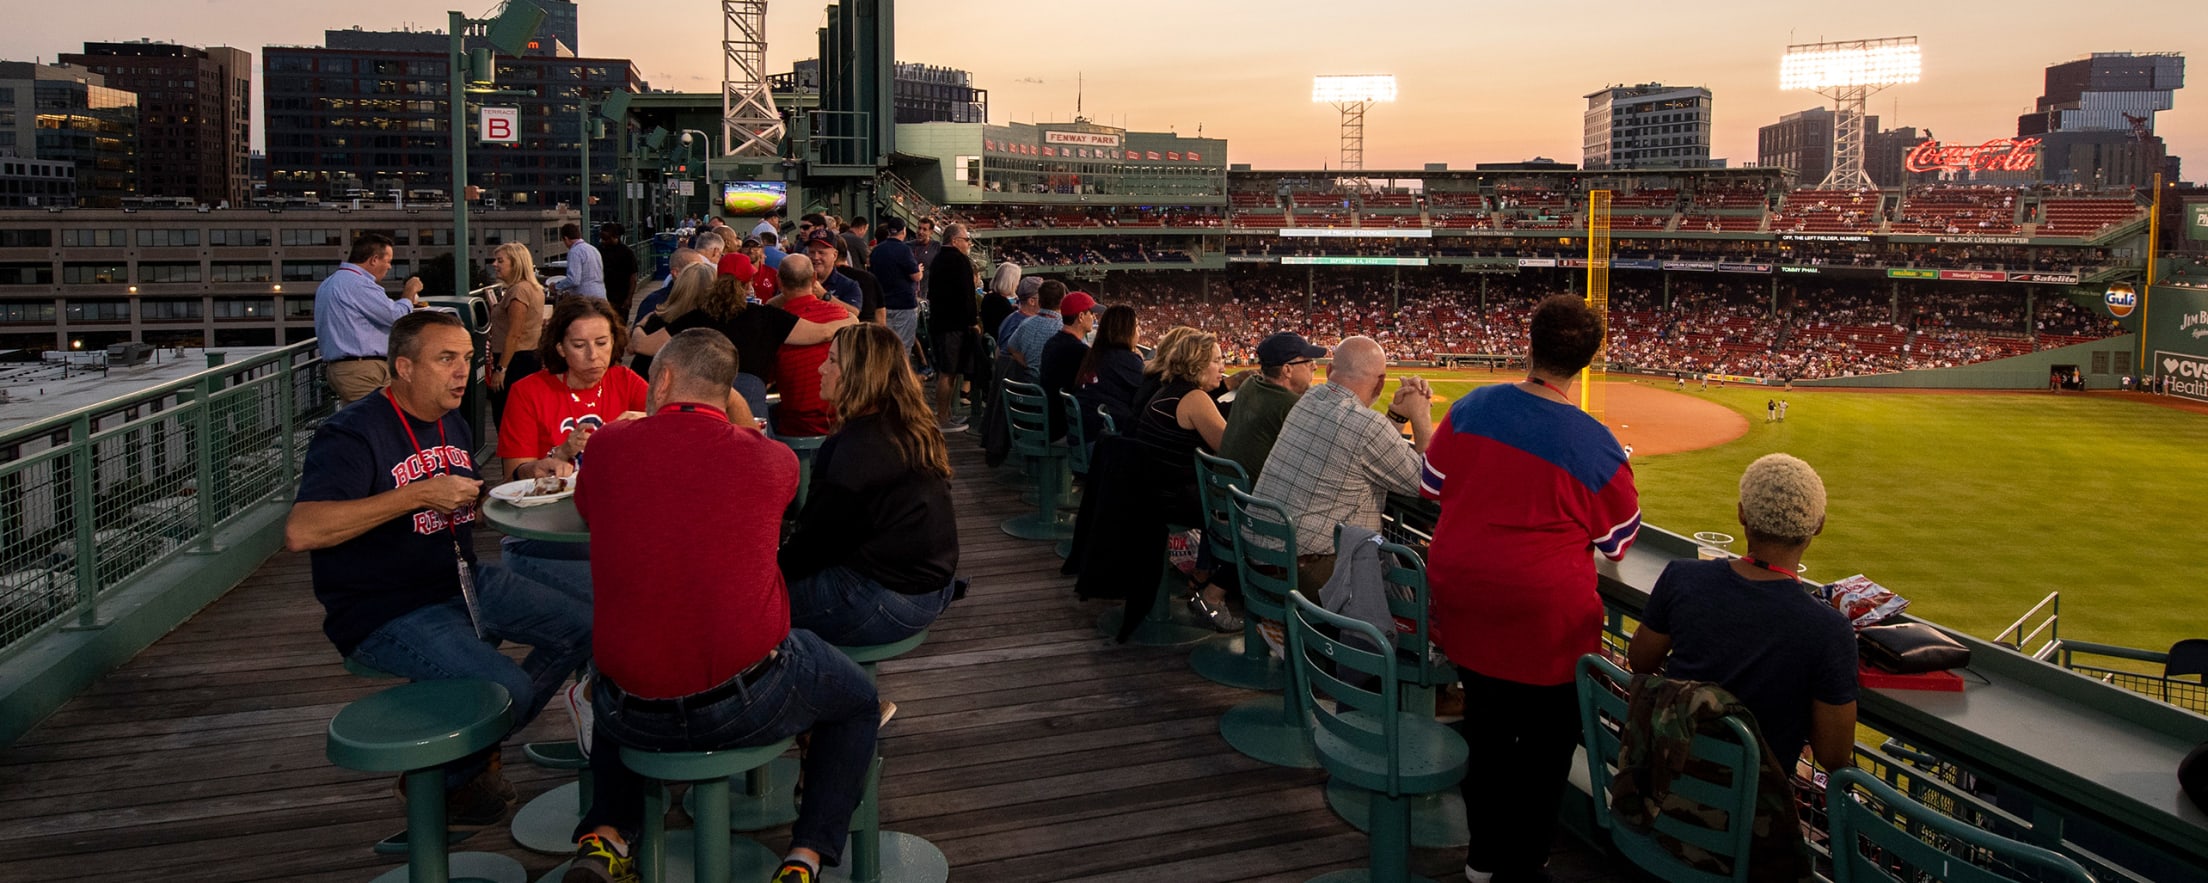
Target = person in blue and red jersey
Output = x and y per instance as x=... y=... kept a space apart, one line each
x=1529 y=484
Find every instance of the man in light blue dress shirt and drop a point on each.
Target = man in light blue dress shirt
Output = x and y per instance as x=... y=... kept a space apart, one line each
x=353 y=315
x=586 y=270
x=1029 y=338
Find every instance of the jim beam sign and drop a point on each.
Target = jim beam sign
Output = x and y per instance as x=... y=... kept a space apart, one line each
x=2188 y=373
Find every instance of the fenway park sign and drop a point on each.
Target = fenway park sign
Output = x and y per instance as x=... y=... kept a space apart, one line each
x=1998 y=155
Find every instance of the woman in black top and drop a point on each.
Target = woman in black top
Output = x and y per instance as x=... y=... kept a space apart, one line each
x=1178 y=421
x=876 y=547
x=757 y=330
x=1111 y=373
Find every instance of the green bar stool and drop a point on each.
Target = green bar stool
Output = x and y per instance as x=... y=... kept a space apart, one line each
x=1364 y=737
x=712 y=856
x=416 y=729
x=1242 y=660
x=1437 y=817
x=876 y=855
x=546 y=824
x=1272 y=729
x=804 y=446
x=396 y=843
x=1159 y=628
x=1027 y=412
x=1077 y=456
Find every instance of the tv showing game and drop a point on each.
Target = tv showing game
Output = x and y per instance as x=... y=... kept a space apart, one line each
x=753 y=198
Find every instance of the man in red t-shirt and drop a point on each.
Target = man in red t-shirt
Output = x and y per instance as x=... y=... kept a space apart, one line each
x=797 y=368
x=693 y=641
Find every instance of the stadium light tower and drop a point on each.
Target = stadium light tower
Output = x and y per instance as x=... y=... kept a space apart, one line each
x=750 y=126
x=1351 y=95
x=1848 y=71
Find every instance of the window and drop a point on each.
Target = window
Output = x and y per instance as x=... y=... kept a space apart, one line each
x=238 y=238
x=398 y=237
x=308 y=271
x=27 y=274
x=434 y=236
x=168 y=271
x=500 y=235
x=158 y=238
x=94 y=238
x=98 y=273
x=299 y=308
x=26 y=238
x=245 y=307
x=315 y=236
x=240 y=271
x=99 y=311
x=156 y=310
x=19 y=312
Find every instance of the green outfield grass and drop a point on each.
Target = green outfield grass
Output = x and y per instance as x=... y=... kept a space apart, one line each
x=1976 y=506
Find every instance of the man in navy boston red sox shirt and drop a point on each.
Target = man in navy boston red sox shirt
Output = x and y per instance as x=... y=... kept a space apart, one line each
x=386 y=508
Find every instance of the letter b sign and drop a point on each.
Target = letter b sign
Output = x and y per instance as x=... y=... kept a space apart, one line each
x=500 y=125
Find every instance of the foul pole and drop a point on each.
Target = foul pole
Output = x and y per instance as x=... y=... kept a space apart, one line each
x=1598 y=298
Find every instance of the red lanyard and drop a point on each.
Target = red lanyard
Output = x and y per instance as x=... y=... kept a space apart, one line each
x=452 y=522
x=358 y=270
x=1756 y=562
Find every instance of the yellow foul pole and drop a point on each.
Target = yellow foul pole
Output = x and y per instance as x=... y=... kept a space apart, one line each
x=1598 y=295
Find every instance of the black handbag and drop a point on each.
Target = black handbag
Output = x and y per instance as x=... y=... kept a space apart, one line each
x=1910 y=648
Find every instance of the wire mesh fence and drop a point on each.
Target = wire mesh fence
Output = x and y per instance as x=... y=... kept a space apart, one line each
x=92 y=499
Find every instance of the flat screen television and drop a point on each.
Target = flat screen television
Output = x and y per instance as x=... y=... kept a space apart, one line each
x=753 y=198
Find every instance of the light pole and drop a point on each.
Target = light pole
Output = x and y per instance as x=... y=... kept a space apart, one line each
x=474 y=71
x=707 y=166
x=592 y=126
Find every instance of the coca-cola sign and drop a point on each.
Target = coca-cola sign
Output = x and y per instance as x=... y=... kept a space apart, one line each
x=1998 y=155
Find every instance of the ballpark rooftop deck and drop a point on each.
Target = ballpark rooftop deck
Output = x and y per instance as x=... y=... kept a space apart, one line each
x=1026 y=747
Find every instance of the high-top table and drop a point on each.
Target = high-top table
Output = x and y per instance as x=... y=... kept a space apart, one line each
x=556 y=521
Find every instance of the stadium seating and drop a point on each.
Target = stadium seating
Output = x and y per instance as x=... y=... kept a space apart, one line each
x=2084 y=218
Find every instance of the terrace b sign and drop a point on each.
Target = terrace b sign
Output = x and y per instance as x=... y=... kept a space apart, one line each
x=1998 y=155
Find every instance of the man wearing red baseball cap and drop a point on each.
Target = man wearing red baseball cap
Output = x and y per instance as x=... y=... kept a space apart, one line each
x=1064 y=352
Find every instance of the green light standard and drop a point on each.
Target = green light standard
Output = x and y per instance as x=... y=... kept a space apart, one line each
x=614 y=109
x=711 y=201
x=473 y=71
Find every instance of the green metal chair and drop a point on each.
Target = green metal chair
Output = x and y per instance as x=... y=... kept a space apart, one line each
x=1077 y=452
x=712 y=854
x=1025 y=409
x=1364 y=737
x=805 y=447
x=1923 y=844
x=1243 y=660
x=1437 y=819
x=416 y=729
x=1729 y=790
x=1269 y=728
x=875 y=854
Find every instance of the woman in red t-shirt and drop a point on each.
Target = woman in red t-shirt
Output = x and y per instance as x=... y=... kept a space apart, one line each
x=550 y=416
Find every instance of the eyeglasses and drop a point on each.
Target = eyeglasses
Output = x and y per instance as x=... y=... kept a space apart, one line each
x=1294 y=362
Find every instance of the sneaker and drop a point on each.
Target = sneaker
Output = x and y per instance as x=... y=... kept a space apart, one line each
x=1219 y=618
x=580 y=712
x=791 y=872
x=889 y=710
x=597 y=861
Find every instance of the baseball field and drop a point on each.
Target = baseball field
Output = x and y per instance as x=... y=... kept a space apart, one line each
x=1972 y=505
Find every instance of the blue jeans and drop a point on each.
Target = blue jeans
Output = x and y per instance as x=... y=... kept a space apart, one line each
x=807 y=686
x=562 y=566
x=905 y=323
x=848 y=609
x=438 y=643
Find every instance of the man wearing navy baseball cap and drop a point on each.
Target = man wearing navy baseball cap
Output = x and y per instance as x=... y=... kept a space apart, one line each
x=1285 y=363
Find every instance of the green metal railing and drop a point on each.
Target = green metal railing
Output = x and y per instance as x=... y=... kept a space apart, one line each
x=2038 y=634
x=92 y=499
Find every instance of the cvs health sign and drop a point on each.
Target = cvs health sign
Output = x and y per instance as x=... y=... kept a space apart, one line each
x=2188 y=373
x=499 y=125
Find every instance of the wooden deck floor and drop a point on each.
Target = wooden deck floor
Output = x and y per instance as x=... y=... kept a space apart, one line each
x=1027 y=747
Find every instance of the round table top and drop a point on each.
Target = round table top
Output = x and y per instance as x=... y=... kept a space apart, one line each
x=556 y=521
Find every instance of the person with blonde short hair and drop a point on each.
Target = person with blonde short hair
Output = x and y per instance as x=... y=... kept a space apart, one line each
x=1752 y=626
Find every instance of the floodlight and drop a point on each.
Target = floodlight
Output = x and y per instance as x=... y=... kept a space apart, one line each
x=515 y=26
x=1848 y=71
x=1359 y=88
x=616 y=106
x=1885 y=62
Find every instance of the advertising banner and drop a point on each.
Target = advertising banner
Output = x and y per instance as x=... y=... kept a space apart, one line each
x=1912 y=274
x=1697 y=266
x=1635 y=264
x=2045 y=278
x=1743 y=268
x=2188 y=373
x=1974 y=276
x=2196 y=219
x=1983 y=240
x=1358 y=232
x=1086 y=139
x=1537 y=262
x=1794 y=269
x=1350 y=261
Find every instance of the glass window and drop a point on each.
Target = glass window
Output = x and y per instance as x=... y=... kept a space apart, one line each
x=99 y=311
x=32 y=312
x=245 y=307
x=168 y=271
x=27 y=274
x=308 y=271
x=156 y=238
x=97 y=273
x=299 y=307
x=94 y=238
x=240 y=271
x=238 y=238
x=157 y=310
x=26 y=238
x=315 y=236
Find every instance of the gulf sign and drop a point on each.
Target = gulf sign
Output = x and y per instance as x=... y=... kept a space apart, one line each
x=2187 y=373
x=2121 y=299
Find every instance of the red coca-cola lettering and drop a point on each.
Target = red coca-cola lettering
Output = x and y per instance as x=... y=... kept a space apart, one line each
x=1998 y=155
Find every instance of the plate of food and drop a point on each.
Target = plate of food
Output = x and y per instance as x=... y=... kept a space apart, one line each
x=535 y=491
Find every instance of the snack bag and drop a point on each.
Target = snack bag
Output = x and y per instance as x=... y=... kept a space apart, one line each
x=1863 y=602
x=1180 y=549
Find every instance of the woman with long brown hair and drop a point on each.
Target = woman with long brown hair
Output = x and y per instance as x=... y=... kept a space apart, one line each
x=1179 y=420
x=517 y=320
x=875 y=554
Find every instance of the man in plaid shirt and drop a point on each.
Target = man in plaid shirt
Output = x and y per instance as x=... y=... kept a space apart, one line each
x=1337 y=458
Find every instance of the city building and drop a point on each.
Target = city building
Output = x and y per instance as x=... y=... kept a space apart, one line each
x=366 y=114
x=561 y=28
x=195 y=115
x=86 y=278
x=923 y=93
x=1802 y=143
x=1080 y=162
x=69 y=114
x=2096 y=116
x=1649 y=126
x=37 y=183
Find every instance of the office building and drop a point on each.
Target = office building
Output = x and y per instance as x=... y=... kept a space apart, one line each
x=68 y=114
x=1802 y=143
x=195 y=115
x=2096 y=119
x=561 y=28
x=924 y=93
x=36 y=183
x=367 y=114
x=1649 y=126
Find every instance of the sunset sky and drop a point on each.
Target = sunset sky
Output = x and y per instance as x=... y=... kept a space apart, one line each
x=1479 y=81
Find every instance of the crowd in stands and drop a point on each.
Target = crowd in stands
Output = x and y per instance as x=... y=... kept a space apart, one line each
x=1713 y=326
